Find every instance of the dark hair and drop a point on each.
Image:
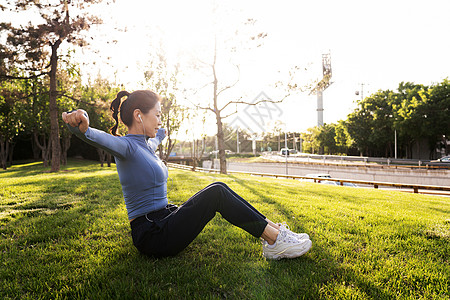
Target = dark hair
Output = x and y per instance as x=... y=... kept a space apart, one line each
x=144 y=100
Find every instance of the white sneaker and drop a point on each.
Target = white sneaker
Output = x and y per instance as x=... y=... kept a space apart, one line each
x=286 y=246
x=299 y=236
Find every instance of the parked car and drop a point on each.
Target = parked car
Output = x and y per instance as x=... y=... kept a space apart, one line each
x=443 y=162
x=319 y=175
x=217 y=152
x=444 y=159
x=338 y=183
x=284 y=151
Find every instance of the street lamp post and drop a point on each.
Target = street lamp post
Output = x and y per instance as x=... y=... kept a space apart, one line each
x=237 y=140
x=286 y=151
x=395 y=143
x=395 y=136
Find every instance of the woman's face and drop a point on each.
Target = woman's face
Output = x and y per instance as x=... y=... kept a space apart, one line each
x=152 y=120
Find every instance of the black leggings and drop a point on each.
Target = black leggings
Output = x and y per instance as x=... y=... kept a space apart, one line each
x=168 y=231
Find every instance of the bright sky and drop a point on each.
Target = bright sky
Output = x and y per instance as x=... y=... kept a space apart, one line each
x=375 y=43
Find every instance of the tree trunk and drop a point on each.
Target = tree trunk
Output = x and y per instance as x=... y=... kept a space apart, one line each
x=104 y=157
x=53 y=110
x=220 y=135
x=34 y=145
x=64 y=148
x=194 y=156
x=108 y=159
x=165 y=155
x=10 y=154
x=45 y=149
x=35 y=148
x=101 y=156
x=169 y=148
x=4 y=145
x=221 y=144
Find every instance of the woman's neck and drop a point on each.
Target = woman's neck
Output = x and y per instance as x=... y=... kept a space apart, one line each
x=135 y=130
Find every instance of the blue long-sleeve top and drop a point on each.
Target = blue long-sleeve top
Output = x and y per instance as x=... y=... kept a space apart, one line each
x=142 y=174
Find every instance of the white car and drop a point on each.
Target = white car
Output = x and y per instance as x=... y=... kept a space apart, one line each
x=320 y=175
x=284 y=151
x=338 y=183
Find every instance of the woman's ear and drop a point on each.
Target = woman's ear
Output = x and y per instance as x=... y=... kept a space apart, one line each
x=137 y=115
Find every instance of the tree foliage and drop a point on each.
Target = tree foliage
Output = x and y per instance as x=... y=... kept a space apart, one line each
x=33 y=48
x=417 y=113
x=10 y=117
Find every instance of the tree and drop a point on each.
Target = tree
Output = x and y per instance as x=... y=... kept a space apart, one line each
x=219 y=109
x=409 y=118
x=342 y=138
x=38 y=45
x=436 y=108
x=417 y=113
x=9 y=118
x=358 y=127
x=379 y=105
x=327 y=138
x=36 y=118
x=69 y=91
x=38 y=123
x=311 y=143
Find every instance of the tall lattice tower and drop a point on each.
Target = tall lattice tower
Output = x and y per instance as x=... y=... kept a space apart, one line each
x=322 y=85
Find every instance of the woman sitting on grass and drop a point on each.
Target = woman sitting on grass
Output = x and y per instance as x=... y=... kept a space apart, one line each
x=157 y=227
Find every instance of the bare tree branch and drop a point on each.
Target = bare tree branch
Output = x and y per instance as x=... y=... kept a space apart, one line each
x=257 y=102
x=204 y=108
x=204 y=62
x=203 y=87
x=230 y=115
x=231 y=102
x=200 y=107
x=230 y=86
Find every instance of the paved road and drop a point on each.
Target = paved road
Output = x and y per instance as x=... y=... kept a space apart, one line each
x=399 y=175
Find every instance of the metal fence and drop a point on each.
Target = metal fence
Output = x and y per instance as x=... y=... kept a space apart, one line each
x=416 y=188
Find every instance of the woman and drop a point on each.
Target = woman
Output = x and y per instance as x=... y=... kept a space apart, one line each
x=157 y=227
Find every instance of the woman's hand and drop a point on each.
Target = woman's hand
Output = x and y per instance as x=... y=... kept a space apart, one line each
x=77 y=119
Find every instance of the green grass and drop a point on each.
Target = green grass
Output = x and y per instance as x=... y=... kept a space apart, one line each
x=66 y=235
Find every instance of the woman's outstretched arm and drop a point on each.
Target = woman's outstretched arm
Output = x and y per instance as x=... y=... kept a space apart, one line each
x=78 y=123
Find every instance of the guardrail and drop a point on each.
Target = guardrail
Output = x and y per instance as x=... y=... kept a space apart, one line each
x=375 y=184
x=346 y=161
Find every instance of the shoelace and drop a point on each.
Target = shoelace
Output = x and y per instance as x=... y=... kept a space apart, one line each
x=287 y=238
x=285 y=226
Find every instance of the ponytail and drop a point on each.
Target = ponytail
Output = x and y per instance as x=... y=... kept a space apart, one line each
x=144 y=100
x=115 y=107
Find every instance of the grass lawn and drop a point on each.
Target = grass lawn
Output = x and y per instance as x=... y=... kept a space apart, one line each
x=66 y=235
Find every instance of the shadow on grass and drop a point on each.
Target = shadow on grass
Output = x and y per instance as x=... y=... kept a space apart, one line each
x=47 y=238
x=64 y=205
x=309 y=275
x=31 y=168
x=28 y=169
